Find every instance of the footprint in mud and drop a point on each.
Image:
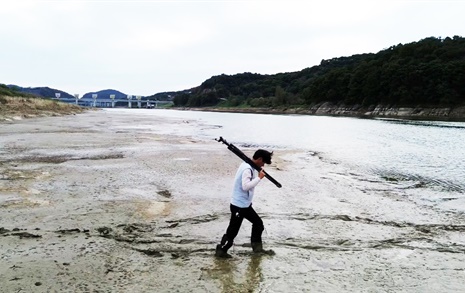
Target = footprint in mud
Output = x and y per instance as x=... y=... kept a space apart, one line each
x=104 y=230
x=149 y=252
x=136 y=227
x=165 y=193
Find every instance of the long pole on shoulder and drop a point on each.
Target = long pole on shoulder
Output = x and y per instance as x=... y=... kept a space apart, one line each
x=246 y=159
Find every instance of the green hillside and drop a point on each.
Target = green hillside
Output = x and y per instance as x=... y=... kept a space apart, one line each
x=430 y=72
x=11 y=92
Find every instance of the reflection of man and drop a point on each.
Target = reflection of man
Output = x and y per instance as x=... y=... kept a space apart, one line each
x=241 y=205
x=226 y=271
x=254 y=273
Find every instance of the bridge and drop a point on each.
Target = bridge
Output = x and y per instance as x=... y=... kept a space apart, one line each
x=115 y=103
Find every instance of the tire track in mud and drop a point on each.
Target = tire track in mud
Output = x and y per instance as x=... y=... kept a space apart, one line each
x=197 y=219
x=178 y=245
x=425 y=228
x=58 y=159
x=159 y=239
x=153 y=239
x=422 y=241
x=144 y=238
x=411 y=181
x=414 y=243
x=15 y=153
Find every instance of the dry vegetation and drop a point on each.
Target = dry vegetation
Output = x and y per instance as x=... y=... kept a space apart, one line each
x=14 y=108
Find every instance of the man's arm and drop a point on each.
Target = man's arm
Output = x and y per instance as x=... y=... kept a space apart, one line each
x=247 y=181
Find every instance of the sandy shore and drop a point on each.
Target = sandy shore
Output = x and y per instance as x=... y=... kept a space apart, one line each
x=101 y=202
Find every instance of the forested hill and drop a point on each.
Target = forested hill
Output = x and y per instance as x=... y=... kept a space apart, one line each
x=430 y=72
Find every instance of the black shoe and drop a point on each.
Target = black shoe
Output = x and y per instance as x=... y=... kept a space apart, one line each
x=257 y=247
x=219 y=252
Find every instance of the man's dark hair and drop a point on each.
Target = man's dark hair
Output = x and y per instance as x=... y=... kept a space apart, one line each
x=265 y=155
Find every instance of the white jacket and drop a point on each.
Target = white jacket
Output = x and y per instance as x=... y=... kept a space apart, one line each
x=244 y=184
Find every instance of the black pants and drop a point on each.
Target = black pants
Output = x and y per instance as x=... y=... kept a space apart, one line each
x=237 y=215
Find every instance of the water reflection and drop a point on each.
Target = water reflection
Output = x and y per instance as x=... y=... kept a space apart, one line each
x=234 y=277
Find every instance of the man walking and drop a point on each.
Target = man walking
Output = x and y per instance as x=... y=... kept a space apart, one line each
x=241 y=205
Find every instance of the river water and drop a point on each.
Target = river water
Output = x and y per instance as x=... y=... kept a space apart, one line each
x=425 y=156
x=367 y=205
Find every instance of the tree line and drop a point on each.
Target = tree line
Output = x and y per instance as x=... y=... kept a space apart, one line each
x=430 y=72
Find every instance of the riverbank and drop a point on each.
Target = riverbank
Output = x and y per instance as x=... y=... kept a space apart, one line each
x=118 y=200
x=17 y=108
x=379 y=111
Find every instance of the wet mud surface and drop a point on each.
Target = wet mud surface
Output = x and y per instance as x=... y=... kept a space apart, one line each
x=91 y=203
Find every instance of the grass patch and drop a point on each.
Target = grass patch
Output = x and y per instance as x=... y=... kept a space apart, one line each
x=26 y=107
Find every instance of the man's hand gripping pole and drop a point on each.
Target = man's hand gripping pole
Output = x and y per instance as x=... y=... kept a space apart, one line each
x=246 y=159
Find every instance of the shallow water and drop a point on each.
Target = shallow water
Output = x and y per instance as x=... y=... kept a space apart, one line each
x=406 y=153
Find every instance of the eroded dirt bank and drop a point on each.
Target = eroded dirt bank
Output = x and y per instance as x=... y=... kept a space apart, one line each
x=378 y=111
x=103 y=202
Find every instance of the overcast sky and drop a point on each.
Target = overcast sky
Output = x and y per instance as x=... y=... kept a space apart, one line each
x=147 y=47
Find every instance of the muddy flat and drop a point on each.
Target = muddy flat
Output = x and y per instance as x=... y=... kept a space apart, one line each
x=105 y=202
